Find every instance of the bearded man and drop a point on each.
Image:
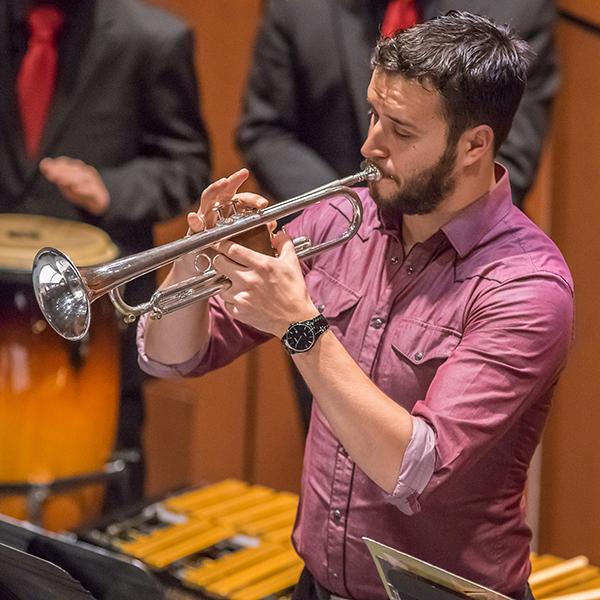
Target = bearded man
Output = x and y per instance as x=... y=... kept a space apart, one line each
x=431 y=341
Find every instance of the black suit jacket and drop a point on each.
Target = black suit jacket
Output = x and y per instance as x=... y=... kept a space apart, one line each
x=126 y=103
x=305 y=112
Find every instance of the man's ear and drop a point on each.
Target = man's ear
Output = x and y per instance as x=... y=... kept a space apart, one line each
x=475 y=143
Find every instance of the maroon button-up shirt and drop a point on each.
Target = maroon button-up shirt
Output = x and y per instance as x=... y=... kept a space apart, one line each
x=469 y=333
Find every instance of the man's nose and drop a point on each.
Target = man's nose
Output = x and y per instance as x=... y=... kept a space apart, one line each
x=373 y=146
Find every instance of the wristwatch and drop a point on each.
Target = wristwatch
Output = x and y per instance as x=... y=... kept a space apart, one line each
x=301 y=336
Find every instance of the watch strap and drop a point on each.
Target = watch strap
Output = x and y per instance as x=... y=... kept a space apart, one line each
x=319 y=324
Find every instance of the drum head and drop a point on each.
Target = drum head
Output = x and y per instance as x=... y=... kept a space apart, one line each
x=21 y=236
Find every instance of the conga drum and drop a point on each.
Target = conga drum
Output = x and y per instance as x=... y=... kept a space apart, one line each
x=58 y=399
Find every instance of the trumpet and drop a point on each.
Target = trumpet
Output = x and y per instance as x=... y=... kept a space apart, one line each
x=65 y=292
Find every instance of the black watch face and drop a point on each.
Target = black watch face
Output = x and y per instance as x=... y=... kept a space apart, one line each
x=300 y=337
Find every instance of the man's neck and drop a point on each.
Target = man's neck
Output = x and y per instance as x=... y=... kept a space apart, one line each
x=470 y=186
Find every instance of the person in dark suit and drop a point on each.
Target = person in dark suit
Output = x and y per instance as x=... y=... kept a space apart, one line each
x=305 y=112
x=123 y=145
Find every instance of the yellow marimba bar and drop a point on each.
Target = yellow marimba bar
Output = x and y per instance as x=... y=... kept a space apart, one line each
x=554 y=578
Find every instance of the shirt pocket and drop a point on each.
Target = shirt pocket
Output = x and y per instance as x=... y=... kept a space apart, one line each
x=418 y=350
x=333 y=299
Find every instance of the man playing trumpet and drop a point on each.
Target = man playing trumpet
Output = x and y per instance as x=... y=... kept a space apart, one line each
x=431 y=341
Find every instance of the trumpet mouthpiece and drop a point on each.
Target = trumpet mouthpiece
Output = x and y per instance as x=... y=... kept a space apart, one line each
x=372 y=173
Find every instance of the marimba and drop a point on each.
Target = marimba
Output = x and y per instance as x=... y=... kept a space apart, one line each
x=226 y=540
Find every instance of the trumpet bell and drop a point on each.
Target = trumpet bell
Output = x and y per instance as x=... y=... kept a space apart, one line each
x=62 y=294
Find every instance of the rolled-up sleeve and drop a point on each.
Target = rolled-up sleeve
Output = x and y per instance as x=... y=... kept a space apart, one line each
x=228 y=340
x=417 y=468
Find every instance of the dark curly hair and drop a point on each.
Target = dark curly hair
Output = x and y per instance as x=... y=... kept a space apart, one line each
x=479 y=68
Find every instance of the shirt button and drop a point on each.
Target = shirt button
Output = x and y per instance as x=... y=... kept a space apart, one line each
x=394 y=260
x=335 y=575
x=377 y=323
x=410 y=269
x=337 y=515
x=418 y=356
x=321 y=308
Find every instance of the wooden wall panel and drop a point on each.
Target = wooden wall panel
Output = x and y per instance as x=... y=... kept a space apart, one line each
x=589 y=10
x=196 y=428
x=570 y=512
x=538 y=203
x=277 y=456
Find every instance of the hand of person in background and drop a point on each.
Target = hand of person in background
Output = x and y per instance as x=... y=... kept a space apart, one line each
x=78 y=182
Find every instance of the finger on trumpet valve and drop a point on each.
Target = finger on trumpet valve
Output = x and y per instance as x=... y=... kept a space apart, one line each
x=239 y=209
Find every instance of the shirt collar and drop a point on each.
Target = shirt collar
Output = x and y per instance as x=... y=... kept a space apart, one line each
x=468 y=227
x=471 y=224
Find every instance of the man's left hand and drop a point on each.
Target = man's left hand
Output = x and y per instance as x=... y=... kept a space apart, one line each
x=78 y=182
x=267 y=293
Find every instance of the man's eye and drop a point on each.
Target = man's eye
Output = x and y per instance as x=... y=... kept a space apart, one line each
x=373 y=115
x=402 y=134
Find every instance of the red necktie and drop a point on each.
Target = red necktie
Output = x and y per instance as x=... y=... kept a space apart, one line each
x=37 y=75
x=399 y=14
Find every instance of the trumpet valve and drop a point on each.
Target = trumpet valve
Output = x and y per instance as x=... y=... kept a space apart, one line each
x=239 y=210
x=235 y=206
x=219 y=209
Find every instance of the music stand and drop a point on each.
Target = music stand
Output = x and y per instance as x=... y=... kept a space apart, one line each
x=408 y=578
x=26 y=577
x=105 y=574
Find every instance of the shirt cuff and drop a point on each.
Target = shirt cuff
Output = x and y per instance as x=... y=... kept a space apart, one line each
x=417 y=468
x=155 y=368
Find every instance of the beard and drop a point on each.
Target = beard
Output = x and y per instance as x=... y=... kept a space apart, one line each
x=422 y=193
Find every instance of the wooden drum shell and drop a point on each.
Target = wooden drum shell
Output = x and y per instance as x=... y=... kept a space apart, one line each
x=58 y=399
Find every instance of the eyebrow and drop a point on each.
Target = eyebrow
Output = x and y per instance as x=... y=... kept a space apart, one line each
x=402 y=123
x=396 y=120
